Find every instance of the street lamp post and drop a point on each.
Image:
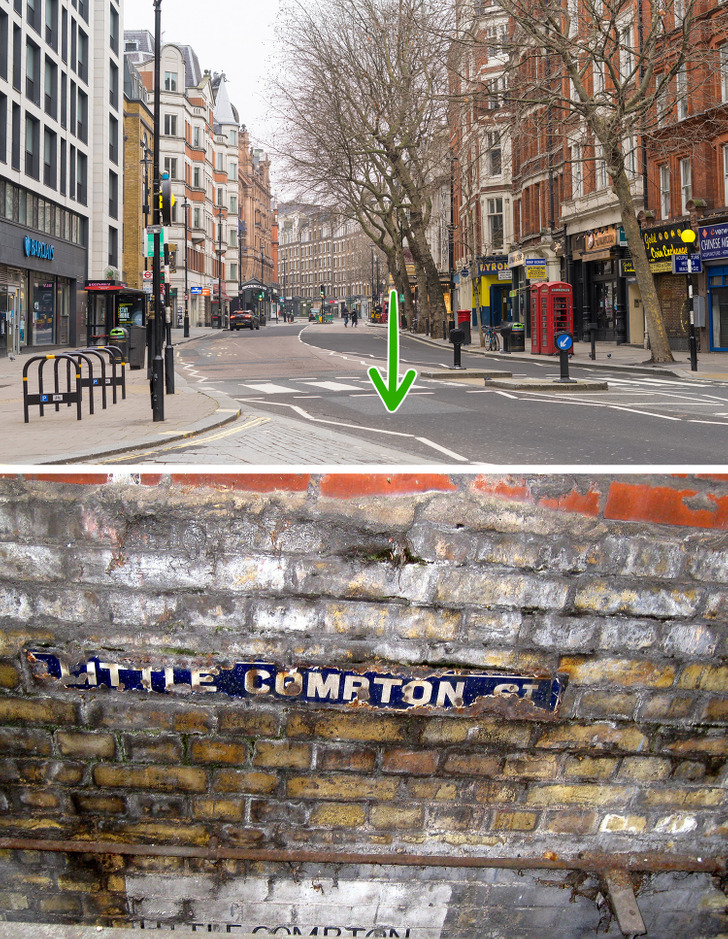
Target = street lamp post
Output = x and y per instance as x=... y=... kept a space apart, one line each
x=157 y=379
x=219 y=268
x=186 y=330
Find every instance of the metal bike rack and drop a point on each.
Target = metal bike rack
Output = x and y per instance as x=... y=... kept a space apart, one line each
x=56 y=397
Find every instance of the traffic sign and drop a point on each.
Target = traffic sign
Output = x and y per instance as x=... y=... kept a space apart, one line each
x=148 y=275
x=564 y=341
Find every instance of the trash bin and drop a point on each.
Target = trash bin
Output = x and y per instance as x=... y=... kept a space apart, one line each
x=506 y=330
x=137 y=346
x=119 y=337
x=518 y=337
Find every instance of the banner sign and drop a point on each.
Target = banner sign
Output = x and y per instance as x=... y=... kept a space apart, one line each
x=713 y=242
x=311 y=684
x=535 y=269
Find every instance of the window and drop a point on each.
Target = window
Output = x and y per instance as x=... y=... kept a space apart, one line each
x=114 y=86
x=113 y=194
x=83 y=56
x=170 y=125
x=195 y=136
x=234 y=204
x=598 y=78
x=196 y=177
x=113 y=246
x=113 y=139
x=170 y=81
x=686 y=187
x=82 y=116
x=64 y=34
x=233 y=170
x=681 y=80
x=725 y=174
x=577 y=173
x=219 y=195
x=17 y=59
x=630 y=156
x=32 y=72
x=494 y=154
x=600 y=171
x=495 y=222
x=49 y=158
x=82 y=178
x=32 y=145
x=31 y=14
x=664 y=191
x=233 y=138
x=51 y=24
x=195 y=218
x=4 y=33
x=3 y=125
x=113 y=29
x=679 y=12
x=51 y=87
x=626 y=50
x=724 y=73
x=170 y=167
x=233 y=272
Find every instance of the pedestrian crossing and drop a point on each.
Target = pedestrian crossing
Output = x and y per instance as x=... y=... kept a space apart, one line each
x=308 y=386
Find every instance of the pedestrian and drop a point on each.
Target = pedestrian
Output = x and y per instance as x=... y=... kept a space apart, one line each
x=354 y=317
x=346 y=317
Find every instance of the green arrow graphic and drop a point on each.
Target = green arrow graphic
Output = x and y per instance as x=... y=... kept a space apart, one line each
x=393 y=392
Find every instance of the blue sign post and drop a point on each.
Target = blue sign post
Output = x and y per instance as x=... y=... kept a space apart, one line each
x=564 y=343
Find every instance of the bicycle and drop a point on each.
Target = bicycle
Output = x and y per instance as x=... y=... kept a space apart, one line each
x=492 y=342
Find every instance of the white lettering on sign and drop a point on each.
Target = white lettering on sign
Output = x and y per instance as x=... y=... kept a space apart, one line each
x=306 y=684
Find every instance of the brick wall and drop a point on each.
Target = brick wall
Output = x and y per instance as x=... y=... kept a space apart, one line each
x=131 y=807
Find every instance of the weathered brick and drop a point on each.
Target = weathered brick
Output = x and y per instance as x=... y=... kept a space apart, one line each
x=233 y=780
x=600 y=736
x=39 y=799
x=9 y=675
x=218 y=809
x=454 y=818
x=21 y=742
x=88 y=803
x=341 y=787
x=531 y=766
x=347 y=727
x=514 y=821
x=585 y=794
x=414 y=762
x=165 y=832
x=605 y=704
x=164 y=778
x=706 y=746
x=338 y=815
x=64 y=904
x=673 y=706
x=153 y=748
x=396 y=816
x=433 y=789
x=494 y=792
x=626 y=824
x=359 y=759
x=206 y=750
x=590 y=767
x=282 y=753
x=705 y=678
x=690 y=798
x=570 y=823
x=716 y=710
x=80 y=746
x=610 y=671
x=648 y=600
x=645 y=768
x=247 y=722
x=35 y=711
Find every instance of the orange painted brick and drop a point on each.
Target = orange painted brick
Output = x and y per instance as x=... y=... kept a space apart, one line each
x=353 y=485
x=244 y=482
x=508 y=487
x=584 y=503
x=415 y=762
x=664 y=505
x=341 y=787
x=159 y=778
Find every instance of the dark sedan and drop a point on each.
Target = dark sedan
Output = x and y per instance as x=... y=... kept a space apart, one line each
x=244 y=319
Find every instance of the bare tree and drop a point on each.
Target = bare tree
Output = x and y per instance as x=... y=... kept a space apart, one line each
x=602 y=71
x=366 y=116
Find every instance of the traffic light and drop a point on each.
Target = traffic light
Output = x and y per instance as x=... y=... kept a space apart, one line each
x=323 y=291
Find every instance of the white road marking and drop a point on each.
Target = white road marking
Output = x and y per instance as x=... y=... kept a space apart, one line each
x=269 y=388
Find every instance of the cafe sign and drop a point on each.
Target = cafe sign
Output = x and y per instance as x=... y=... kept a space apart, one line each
x=379 y=690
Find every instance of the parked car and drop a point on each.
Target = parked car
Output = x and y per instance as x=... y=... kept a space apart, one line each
x=244 y=319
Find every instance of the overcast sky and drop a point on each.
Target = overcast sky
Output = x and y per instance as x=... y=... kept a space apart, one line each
x=232 y=36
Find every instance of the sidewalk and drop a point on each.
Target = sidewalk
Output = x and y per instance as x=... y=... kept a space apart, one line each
x=59 y=438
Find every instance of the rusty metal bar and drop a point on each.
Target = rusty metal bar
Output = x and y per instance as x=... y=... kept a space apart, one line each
x=598 y=863
x=624 y=903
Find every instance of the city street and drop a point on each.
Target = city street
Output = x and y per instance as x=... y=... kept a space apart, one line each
x=315 y=377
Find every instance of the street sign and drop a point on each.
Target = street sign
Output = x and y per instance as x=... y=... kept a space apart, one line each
x=148 y=275
x=564 y=341
x=686 y=264
x=195 y=291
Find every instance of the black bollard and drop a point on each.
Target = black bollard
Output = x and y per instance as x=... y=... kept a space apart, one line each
x=456 y=338
x=564 y=343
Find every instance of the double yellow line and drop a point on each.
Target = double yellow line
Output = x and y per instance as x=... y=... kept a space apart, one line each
x=196 y=441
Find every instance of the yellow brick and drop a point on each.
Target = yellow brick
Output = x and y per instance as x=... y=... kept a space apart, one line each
x=590 y=767
x=218 y=751
x=32 y=711
x=186 y=833
x=587 y=794
x=628 y=824
x=392 y=816
x=515 y=821
x=432 y=789
x=705 y=678
x=570 y=823
x=338 y=815
x=9 y=675
x=232 y=780
x=86 y=746
x=600 y=736
x=282 y=753
x=222 y=809
x=494 y=792
x=163 y=778
x=357 y=726
x=531 y=767
x=644 y=768
x=613 y=671
x=690 y=798
x=341 y=787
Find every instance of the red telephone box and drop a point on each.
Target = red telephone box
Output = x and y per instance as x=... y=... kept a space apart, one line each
x=556 y=315
x=537 y=291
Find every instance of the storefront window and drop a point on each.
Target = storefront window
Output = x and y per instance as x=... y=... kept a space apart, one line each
x=43 y=311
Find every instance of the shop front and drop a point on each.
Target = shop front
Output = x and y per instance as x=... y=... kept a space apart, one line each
x=663 y=243
x=495 y=282
x=713 y=241
x=40 y=275
x=600 y=286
